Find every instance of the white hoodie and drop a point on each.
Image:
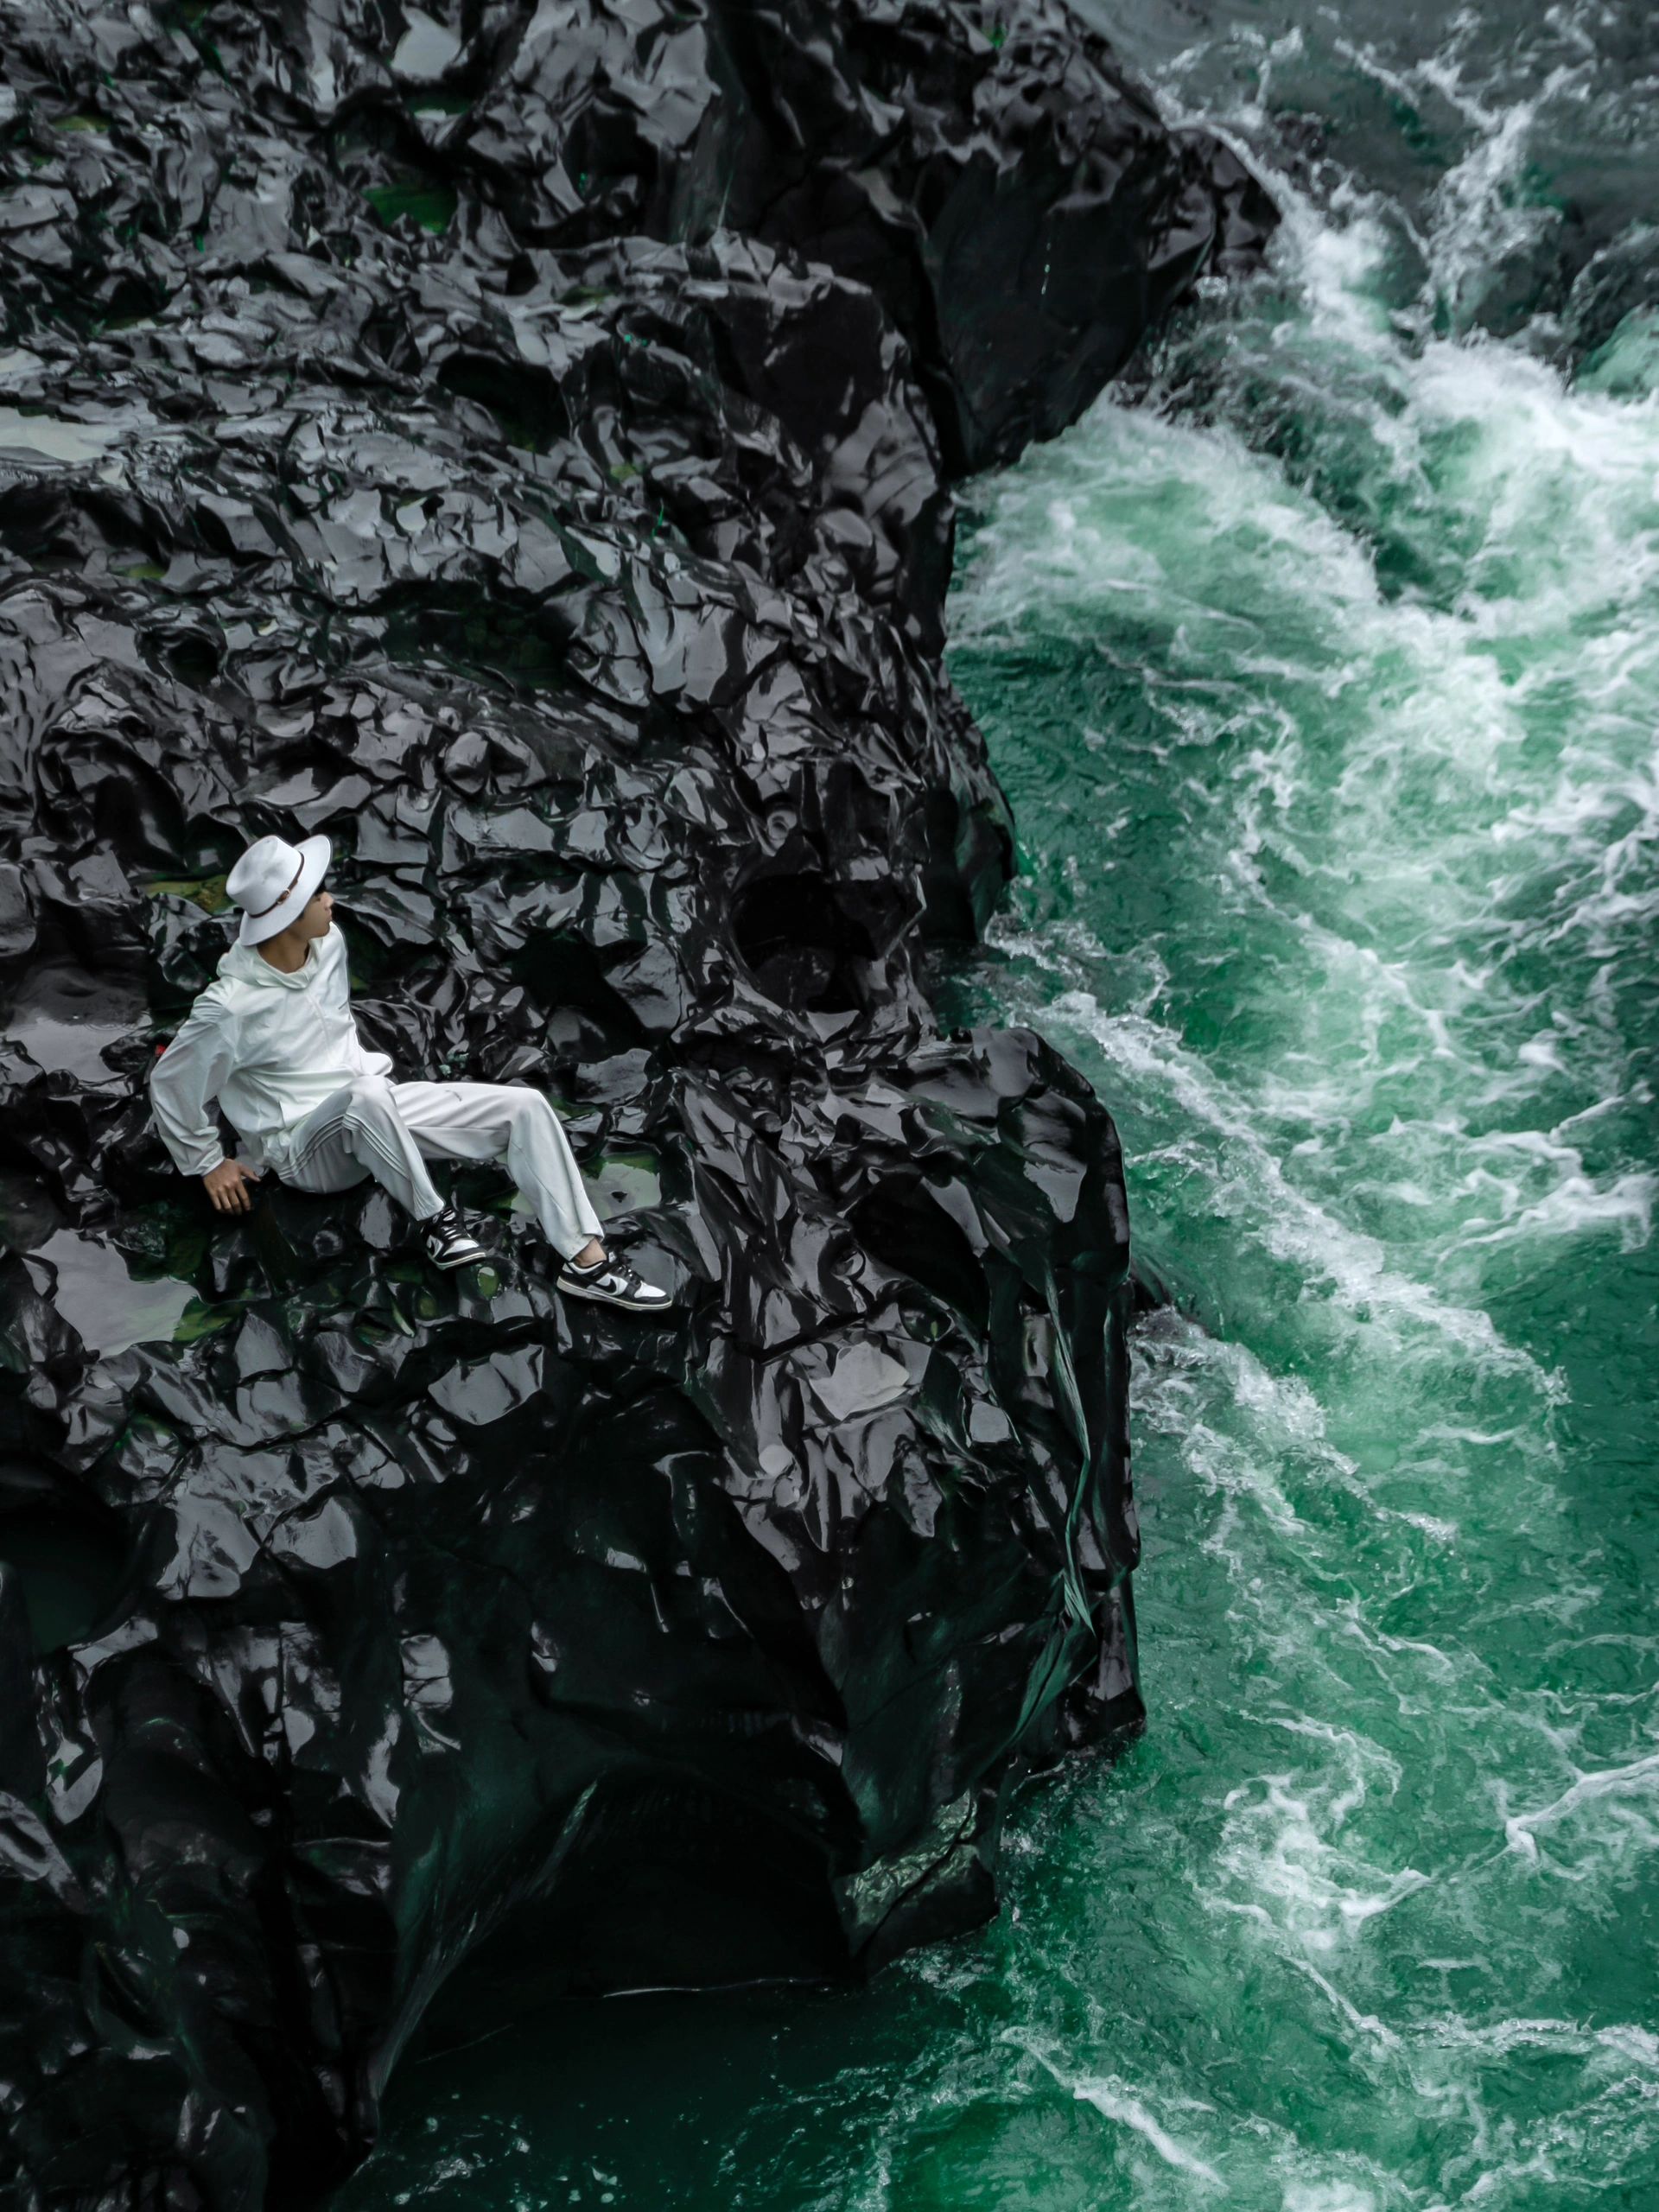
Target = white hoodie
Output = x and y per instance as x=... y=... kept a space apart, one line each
x=268 y=1047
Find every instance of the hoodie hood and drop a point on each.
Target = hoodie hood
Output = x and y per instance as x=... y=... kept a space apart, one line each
x=246 y=963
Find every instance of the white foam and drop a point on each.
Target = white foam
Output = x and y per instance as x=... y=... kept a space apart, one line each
x=1620 y=1790
x=1269 y=1208
x=1113 y=2103
x=1115 y=2100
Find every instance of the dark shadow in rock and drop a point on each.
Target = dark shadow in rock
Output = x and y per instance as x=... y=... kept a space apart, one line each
x=526 y=403
x=742 y=1899
x=904 y=1222
x=192 y=655
x=68 y=1553
x=970 y=858
x=566 y=971
x=516 y=644
x=801 y=944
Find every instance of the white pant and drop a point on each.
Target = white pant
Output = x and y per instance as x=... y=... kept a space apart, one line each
x=375 y=1126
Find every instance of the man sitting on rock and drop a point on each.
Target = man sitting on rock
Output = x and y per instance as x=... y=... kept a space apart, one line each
x=274 y=1040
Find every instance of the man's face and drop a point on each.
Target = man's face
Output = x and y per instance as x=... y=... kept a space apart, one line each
x=318 y=915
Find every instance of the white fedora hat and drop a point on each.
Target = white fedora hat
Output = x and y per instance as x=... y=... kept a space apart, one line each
x=273 y=881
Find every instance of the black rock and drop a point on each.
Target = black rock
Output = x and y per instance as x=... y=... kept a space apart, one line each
x=517 y=445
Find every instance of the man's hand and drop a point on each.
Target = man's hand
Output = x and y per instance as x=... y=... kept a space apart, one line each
x=227 y=1186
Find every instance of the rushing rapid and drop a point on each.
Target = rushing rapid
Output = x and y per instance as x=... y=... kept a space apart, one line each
x=1323 y=672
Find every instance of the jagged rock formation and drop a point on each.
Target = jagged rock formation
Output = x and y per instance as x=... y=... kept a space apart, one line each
x=518 y=444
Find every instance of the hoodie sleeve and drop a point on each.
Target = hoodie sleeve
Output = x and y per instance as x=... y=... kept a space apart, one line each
x=184 y=1081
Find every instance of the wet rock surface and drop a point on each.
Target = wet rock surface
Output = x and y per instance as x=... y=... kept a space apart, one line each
x=518 y=443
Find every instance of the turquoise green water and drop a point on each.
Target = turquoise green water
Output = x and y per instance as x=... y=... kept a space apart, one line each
x=1324 y=682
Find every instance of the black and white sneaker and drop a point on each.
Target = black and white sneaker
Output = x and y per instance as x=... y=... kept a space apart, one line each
x=448 y=1241
x=612 y=1283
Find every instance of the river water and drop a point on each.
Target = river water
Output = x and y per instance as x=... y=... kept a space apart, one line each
x=1323 y=671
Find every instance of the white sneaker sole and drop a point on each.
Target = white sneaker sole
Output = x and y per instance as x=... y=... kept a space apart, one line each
x=458 y=1259
x=602 y=1298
